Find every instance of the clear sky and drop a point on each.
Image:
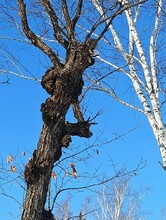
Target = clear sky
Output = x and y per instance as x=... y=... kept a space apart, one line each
x=21 y=124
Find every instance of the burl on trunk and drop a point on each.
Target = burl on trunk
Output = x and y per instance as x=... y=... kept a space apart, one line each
x=64 y=85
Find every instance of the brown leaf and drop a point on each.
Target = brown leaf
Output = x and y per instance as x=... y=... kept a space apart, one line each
x=74 y=173
x=71 y=165
x=12 y=169
x=9 y=159
x=54 y=176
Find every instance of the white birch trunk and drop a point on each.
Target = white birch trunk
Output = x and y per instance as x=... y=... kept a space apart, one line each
x=115 y=198
x=146 y=86
x=159 y=131
x=154 y=117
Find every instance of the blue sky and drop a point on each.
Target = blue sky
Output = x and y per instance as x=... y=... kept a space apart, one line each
x=21 y=124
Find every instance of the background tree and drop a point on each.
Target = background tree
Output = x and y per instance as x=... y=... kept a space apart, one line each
x=118 y=201
x=140 y=61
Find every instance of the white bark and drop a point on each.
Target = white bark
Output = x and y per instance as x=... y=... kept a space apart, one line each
x=118 y=201
x=145 y=83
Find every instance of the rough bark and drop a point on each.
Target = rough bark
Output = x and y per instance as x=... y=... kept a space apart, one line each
x=64 y=83
x=64 y=86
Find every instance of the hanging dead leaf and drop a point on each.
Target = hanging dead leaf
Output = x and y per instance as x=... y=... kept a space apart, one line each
x=74 y=173
x=23 y=153
x=12 y=169
x=54 y=176
x=9 y=159
x=71 y=165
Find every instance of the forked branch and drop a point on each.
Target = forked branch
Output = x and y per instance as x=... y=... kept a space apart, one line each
x=78 y=14
x=54 y=19
x=33 y=37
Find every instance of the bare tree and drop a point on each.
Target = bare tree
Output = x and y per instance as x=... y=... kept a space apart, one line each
x=118 y=201
x=64 y=209
x=137 y=59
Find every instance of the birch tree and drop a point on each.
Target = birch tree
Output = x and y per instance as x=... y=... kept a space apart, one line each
x=140 y=60
x=117 y=201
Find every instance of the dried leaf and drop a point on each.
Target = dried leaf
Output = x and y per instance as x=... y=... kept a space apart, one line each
x=71 y=165
x=9 y=159
x=74 y=173
x=12 y=169
x=54 y=176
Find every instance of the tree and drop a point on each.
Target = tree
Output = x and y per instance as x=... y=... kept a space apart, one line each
x=139 y=63
x=62 y=81
x=118 y=201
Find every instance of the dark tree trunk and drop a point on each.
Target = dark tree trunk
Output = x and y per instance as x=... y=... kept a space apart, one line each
x=64 y=86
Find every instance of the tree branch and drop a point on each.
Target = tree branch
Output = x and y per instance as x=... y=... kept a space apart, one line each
x=70 y=33
x=120 y=173
x=81 y=129
x=113 y=94
x=33 y=37
x=54 y=19
x=78 y=13
x=153 y=49
x=109 y=20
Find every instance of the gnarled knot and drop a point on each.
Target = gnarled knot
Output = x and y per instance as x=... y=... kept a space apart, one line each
x=49 y=111
x=65 y=140
x=81 y=129
x=49 y=80
x=31 y=172
x=47 y=215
